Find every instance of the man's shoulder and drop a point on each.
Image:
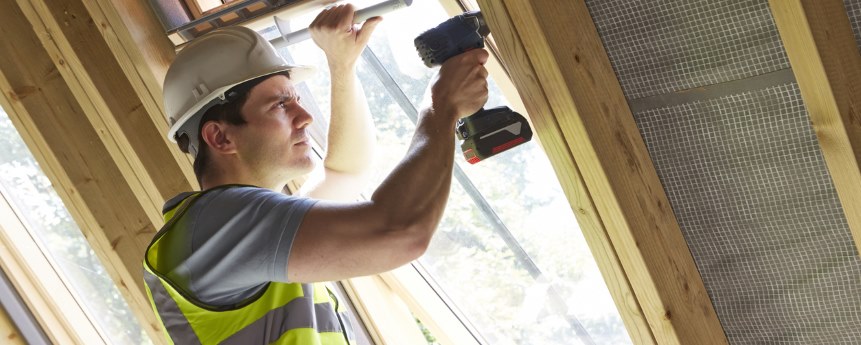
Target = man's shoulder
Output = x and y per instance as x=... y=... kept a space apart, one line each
x=233 y=197
x=173 y=202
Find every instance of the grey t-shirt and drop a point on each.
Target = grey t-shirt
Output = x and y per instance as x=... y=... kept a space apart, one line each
x=237 y=239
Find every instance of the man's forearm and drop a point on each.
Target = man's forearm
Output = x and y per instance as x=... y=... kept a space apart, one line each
x=351 y=129
x=343 y=240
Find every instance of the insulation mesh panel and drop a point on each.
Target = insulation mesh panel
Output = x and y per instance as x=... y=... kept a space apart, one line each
x=658 y=47
x=749 y=186
x=853 y=7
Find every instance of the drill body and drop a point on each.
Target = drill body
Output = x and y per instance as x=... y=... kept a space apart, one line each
x=489 y=131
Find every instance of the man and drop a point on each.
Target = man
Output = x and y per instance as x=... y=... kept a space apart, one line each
x=240 y=262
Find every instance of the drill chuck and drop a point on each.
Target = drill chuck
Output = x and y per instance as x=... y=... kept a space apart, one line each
x=454 y=36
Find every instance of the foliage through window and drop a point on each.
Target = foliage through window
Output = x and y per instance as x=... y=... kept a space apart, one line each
x=508 y=253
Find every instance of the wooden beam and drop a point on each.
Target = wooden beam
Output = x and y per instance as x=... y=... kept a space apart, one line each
x=50 y=33
x=138 y=30
x=66 y=144
x=142 y=50
x=8 y=332
x=588 y=131
x=827 y=65
x=96 y=78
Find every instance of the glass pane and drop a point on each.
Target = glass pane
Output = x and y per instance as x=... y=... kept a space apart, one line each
x=509 y=252
x=42 y=211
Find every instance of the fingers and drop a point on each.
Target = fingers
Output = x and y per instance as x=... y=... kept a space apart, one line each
x=339 y=17
x=367 y=29
x=480 y=85
x=341 y=40
x=462 y=84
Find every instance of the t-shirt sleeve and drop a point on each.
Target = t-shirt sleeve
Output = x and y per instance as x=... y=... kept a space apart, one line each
x=241 y=239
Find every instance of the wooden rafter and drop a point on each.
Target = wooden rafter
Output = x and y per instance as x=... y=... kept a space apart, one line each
x=827 y=66
x=142 y=51
x=586 y=127
x=66 y=142
x=109 y=100
x=8 y=332
x=60 y=49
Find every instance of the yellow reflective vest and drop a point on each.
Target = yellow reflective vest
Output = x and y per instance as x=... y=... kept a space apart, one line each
x=283 y=313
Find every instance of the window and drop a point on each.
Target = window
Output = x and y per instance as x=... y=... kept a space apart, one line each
x=508 y=258
x=206 y=5
x=72 y=268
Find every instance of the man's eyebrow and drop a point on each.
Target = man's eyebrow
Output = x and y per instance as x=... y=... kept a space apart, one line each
x=281 y=97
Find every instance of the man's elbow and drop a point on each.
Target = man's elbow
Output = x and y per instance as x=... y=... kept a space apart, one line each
x=414 y=240
x=420 y=242
x=409 y=229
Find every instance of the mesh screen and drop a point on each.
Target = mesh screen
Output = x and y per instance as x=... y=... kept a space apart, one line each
x=741 y=165
x=658 y=47
x=854 y=9
x=749 y=187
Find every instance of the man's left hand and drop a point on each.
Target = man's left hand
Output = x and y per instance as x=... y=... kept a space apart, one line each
x=342 y=41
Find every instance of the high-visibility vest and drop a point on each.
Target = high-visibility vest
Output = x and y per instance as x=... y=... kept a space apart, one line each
x=283 y=313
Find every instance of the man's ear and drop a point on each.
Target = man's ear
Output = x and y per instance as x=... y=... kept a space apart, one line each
x=215 y=134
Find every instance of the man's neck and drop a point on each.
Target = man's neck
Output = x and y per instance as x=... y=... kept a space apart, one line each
x=213 y=180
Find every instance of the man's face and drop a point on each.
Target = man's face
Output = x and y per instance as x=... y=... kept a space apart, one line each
x=273 y=142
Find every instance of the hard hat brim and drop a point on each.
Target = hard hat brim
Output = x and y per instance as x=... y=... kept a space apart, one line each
x=297 y=74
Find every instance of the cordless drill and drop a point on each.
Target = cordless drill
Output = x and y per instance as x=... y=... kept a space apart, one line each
x=489 y=131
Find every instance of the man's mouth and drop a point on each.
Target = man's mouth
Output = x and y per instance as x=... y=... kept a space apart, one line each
x=303 y=139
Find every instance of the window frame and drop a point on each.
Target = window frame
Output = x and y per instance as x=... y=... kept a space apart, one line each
x=36 y=277
x=382 y=302
x=407 y=286
x=46 y=293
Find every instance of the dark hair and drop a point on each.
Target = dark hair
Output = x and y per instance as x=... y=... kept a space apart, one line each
x=230 y=112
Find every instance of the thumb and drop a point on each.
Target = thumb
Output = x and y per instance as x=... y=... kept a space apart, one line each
x=367 y=29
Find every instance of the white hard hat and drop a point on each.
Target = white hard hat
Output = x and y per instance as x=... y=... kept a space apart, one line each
x=212 y=64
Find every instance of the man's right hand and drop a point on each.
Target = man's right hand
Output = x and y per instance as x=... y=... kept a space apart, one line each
x=460 y=87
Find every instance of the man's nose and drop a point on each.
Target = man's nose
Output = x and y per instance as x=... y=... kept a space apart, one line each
x=303 y=118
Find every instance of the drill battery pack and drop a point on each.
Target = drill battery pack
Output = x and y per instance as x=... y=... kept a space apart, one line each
x=491 y=131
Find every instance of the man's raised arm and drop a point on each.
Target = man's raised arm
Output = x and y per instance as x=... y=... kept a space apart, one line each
x=343 y=240
x=350 y=152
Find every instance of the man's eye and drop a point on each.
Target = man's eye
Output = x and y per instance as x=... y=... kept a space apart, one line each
x=282 y=104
